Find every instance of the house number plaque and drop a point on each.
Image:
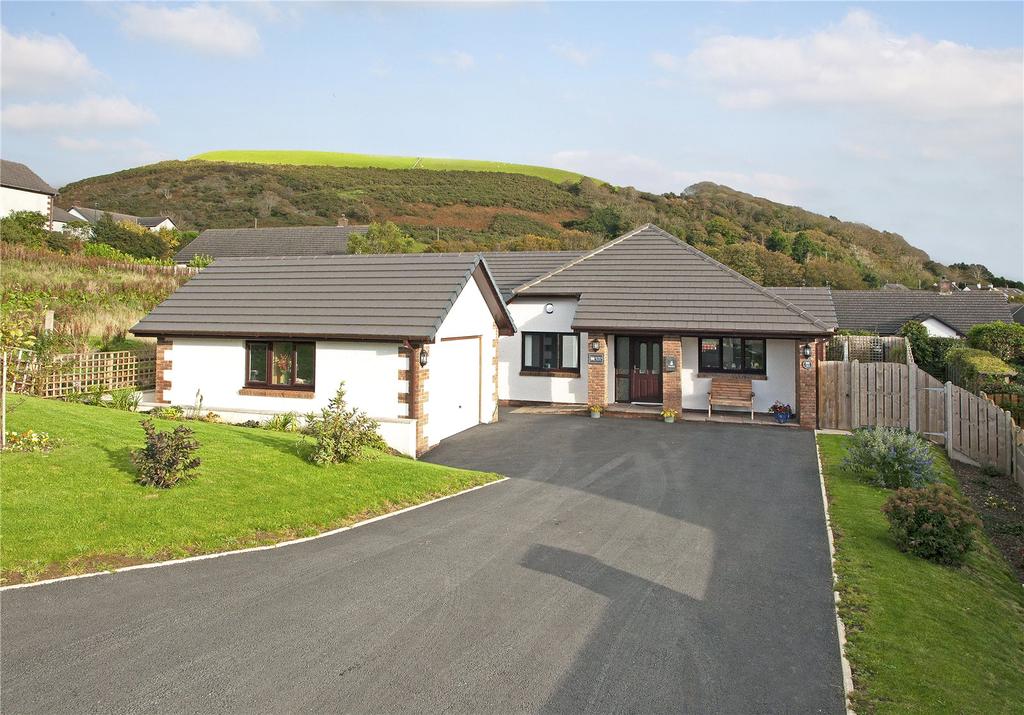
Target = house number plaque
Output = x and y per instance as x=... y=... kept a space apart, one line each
x=595 y=358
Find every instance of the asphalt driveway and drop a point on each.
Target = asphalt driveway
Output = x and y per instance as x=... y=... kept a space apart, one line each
x=626 y=566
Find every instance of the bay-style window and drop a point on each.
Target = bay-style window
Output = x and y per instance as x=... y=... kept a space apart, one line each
x=732 y=355
x=551 y=352
x=282 y=364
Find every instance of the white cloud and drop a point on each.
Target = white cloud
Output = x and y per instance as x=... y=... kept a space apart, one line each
x=580 y=58
x=667 y=61
x=88 y=113
x=38 y=63
x=456 y=59
x=649 y=174
x=201 y=27
x=858 y=62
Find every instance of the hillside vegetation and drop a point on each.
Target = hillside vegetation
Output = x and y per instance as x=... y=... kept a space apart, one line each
x=380 y=161
x=770 y=242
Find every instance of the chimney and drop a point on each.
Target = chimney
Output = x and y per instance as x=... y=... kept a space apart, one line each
x=343 y=220
x=945 y=286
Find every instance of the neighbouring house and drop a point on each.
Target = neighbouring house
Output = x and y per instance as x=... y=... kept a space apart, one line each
x=283 y=241
x=414 y=337
x=61 y=219
x=153 y=223
x=944 y=314
x=1017 y=312
x=647 y=318
x=21 y=189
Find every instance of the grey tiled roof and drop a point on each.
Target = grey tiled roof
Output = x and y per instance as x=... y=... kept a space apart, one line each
x=512 y=269
x=353 y=296
x=94 y=215
x=19 y=176
x=63 y=216
x=885 y=312
x=650 y=280
x=816 y=301
x=284 y=241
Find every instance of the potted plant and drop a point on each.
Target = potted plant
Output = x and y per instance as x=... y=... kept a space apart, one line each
x=669 y=415
x=782 y=411
x=596 y=410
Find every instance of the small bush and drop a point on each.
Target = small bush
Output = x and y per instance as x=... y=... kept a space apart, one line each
x=167 y=458
x=970 y=368
x=891 y=458
x=125 y=399
x=341 y=434
x=285 y=422
x=172 y=412
x=1004 y=340
x=200 y=260
x=932 y=523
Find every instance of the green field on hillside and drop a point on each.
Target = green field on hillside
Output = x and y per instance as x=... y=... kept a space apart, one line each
x=377 y=161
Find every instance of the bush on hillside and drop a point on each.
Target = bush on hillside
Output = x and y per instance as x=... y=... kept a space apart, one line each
x=1004 y=340
x=167 y=458
x=891 y=457
x=383 y=238
x=931 y=522
x=341 y=433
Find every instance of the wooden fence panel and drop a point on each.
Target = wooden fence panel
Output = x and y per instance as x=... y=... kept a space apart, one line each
x=70 y=374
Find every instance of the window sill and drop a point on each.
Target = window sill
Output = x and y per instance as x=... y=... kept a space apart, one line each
x=548 y=373
x=743 y=375
x=264 y=392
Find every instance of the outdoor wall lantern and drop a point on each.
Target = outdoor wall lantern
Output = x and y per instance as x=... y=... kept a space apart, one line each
x=423 y=356
x=549 y=308
x=594 y=346
x=806 y=352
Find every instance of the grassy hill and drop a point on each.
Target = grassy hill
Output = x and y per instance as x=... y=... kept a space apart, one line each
x=769 y=242
x=380 y=161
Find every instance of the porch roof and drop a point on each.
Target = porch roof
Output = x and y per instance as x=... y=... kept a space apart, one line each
x=650 y=280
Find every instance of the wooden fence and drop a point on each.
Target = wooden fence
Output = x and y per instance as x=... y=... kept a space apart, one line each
x=70 y=374
x=867 y=348
x=854 y=394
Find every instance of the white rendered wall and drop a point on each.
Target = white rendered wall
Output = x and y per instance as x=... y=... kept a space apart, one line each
x=938 y=329
x=468 y=317
x=17 y=200
x=780 y=361
x=529 y=316
x=216 y=368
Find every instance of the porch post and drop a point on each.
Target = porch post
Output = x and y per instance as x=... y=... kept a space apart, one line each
x=597 y=373
x=672 y=382
x=807 y=385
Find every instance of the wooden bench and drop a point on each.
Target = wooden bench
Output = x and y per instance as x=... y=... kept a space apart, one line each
x=733 y=392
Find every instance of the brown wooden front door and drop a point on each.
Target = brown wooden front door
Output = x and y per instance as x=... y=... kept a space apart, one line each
x=645 y=369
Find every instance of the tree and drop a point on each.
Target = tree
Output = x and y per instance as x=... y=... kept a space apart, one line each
x=383 y=238
x=778 y=241
x=778 y=269
x=800 y=248
x=1004 y=340
x=605 y=221
x=25 y=227
x=744 y=258
x=843 y=276
x=130 y=238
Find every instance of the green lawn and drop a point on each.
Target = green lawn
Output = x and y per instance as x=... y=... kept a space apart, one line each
x=78 y=508
x=922 y=638
x=364 y=161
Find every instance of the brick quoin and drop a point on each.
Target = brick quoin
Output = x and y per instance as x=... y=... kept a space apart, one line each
x=672 y=382
x=494 y=367
x=807 y=385
x=163 y=366
x=597 y=375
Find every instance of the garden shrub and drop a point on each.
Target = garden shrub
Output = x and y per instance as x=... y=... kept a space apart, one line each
x=929 y=351
x=167 y=458
x=340 y=433
x=971 y=368
x=284 y=422
x=172 y=412
x=125 y=399
x=891 y=457
x=931 y=522
x=1004 y=340
x=200 y=260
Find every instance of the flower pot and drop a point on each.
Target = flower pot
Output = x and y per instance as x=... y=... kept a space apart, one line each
x=669 y=420
x=782 y=417
x=596 y=415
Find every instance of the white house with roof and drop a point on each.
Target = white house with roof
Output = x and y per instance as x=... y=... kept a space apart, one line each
x=153 y=223
x=21 y=189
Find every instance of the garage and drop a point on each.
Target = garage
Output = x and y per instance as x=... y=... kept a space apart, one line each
x=454 y=400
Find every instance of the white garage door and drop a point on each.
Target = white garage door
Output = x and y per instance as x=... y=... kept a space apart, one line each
x=454 y=390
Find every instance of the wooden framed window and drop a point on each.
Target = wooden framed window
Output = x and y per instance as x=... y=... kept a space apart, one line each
x=280 y=364
x=732 y=354
x=551 y=352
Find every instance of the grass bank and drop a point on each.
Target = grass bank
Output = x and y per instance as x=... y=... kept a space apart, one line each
x=922 y=638
x=380 y=161
x=78 y=508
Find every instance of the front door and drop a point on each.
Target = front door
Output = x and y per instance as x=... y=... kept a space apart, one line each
x=645 y=369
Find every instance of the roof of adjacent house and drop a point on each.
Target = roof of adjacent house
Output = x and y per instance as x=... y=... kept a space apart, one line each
x=816 y=301
x=1017 y=312
x=885 y=312
x=394 y=297
x=650 y=280
x=94 y=215
x=283 y=241
x=62 y=216
x=18 y=176
x=512 y=269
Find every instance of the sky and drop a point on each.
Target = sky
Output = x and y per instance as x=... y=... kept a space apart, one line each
x=908 y=117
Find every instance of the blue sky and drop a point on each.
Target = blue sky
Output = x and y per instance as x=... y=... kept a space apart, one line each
x=908 y=117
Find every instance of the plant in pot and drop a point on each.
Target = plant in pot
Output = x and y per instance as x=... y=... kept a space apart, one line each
x=782 y=411
x=669 y=415
x=596 y=410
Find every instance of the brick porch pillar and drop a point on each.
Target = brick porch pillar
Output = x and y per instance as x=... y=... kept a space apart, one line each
x=418 y=378
x=163 y=367
x=672 y=382
x=807 y=385
x=597 y=374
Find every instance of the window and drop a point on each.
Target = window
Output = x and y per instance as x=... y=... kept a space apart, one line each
x=283 y=364
x=554 y=352
x=732 y=355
